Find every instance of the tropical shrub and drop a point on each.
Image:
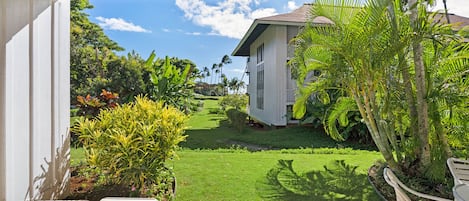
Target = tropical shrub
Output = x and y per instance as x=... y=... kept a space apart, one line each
x=128 y=76
x=325 y=114
x=236 y=101
x=90 y=106
x=237 y=119
x=131 y=143
x=404 y=73
x=171 y=84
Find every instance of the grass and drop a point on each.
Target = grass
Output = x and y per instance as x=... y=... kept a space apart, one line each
x=211 y=131
x=208 y=169
x=220 y=175
x=230 y=174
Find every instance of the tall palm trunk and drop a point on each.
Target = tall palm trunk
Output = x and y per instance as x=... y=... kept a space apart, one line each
x=446 y=12
x=364 y=107
x=404 y=68
x=420 y=81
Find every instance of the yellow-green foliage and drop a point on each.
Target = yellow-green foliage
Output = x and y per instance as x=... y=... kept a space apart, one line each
x=237 y=101
x=132 y=142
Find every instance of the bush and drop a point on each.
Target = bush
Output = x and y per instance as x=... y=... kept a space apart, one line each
x=215 y=111
x=90 y=106
x=237 y=119
x=236 y=101
x=131 y=143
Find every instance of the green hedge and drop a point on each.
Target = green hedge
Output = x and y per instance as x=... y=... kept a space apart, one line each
x=237 y=119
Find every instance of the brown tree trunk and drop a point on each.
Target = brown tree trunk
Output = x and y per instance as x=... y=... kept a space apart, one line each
x=413 y=114
x=420 y=81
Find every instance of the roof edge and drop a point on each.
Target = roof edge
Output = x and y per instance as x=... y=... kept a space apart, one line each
x=255 y=24
x=245 y=37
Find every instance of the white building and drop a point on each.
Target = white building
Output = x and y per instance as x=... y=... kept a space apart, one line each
x=34 y=99
x=271 y=89
x=266 y=45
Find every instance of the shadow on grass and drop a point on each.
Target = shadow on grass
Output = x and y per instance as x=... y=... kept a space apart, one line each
x=338 y=181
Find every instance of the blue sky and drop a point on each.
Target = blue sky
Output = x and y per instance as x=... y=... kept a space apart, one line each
x=200 y=30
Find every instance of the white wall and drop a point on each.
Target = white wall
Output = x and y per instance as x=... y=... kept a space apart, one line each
x=275 y=74
x=34 y=99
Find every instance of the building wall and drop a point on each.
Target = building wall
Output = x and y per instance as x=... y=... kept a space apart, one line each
x=275 y=73
x=34 y=99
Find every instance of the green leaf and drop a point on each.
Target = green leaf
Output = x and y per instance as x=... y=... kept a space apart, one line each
x=151 y=58
x=299 y=109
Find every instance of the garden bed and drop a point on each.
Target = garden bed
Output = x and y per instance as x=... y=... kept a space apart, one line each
x=386 y=192
x=87 y=188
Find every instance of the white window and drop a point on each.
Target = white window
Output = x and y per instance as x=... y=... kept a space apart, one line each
x=260 y=77
x=260 y=54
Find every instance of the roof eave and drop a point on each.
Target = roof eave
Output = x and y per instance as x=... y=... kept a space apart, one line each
x=245 y=37
x=254 y=26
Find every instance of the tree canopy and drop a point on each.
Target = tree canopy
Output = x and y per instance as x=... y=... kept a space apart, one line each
x=95 y=65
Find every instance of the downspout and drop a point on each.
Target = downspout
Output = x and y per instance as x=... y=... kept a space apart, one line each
x=2 y=100
x=31 y=98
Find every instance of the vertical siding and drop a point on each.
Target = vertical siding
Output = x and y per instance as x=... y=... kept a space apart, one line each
x=17 y=115
x=275 y=51
x=34 y=99
x=41 y=90
x=61 y=96
x=2 y=100
x=281 y=74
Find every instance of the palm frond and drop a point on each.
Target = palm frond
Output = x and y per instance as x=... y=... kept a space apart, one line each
x=338 y=114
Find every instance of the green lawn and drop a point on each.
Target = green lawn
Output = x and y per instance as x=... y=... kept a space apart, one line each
x=207 y=170
x=212 y=131
x=217 y=175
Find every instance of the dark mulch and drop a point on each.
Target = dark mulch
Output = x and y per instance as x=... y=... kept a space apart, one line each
x=375 y=175
x=86 y=188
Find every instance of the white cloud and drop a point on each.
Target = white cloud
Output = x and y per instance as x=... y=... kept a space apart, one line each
x=166 y=30
x=291 y=5
x=264 y=12
x=120 y=24
x=237 y=70
x=458 y=7
x=194 y=33
x=230 y=18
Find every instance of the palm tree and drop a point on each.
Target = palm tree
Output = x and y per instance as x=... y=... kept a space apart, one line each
x=201 y=76
x=446 y=12
x=217 y=71
x=206 y=73
x=224 y=83
x=225 y=60
x=364 y=54
x=235 y=84
x=214 y=67
x=241 y=84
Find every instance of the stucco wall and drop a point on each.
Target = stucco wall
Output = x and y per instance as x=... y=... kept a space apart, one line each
x=34 y=99
x=275 y=74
